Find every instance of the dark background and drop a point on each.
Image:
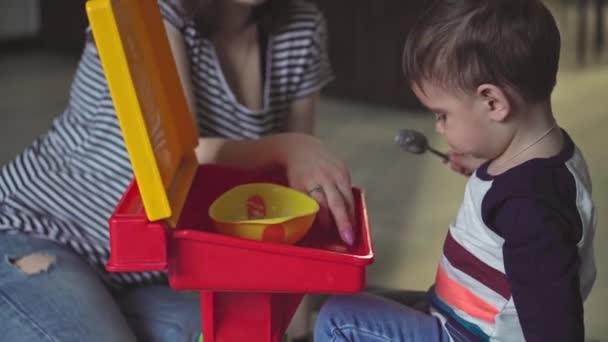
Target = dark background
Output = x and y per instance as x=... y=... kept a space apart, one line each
x=365 y=42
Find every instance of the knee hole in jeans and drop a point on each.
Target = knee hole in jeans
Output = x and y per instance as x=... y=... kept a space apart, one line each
x=33 y=263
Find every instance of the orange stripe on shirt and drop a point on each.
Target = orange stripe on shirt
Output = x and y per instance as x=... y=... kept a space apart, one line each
x=461 y=298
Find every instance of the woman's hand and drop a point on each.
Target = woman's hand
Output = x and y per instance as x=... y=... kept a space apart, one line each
x=464 y=164
x=312 y=169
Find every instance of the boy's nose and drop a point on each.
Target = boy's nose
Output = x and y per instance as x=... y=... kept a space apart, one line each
x=439 y=127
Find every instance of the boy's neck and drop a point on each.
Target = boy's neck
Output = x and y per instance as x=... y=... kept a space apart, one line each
x=535 y=135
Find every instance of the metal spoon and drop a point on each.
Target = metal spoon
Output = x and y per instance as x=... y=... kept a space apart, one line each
x=416 y=142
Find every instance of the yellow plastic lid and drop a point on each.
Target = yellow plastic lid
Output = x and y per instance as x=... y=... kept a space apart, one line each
x=157 y=126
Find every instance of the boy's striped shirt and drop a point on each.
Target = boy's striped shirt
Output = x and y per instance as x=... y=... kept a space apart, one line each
x=518 y=261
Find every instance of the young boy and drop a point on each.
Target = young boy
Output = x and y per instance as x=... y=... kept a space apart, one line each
x=518 y=260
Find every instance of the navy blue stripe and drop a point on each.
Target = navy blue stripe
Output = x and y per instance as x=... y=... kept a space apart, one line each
x=468 y=331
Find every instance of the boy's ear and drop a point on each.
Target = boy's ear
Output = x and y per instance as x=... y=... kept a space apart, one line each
x=495 y=101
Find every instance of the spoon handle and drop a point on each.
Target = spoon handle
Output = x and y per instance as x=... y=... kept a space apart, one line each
x=439 y=154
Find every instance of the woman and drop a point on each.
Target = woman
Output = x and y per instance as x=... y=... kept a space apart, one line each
x=252 y=83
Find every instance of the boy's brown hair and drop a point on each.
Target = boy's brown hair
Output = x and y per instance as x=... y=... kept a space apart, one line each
x=461 y=44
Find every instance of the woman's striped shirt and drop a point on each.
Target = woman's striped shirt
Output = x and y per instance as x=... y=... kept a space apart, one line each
x=66 y=184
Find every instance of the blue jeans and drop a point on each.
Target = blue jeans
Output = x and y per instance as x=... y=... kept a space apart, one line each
x=68 y=302
x=368 y=317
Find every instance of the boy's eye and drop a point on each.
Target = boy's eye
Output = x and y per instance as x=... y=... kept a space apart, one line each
x=439 y=117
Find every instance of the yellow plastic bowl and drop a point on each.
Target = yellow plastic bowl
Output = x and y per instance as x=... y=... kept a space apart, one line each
x=264 y=212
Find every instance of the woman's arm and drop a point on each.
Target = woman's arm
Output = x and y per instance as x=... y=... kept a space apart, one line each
x=308 y=163
x=302 y=114
x=301 y=119
x=180 y=55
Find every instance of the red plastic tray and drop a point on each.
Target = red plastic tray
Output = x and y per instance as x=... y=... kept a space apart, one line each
x=197 y=258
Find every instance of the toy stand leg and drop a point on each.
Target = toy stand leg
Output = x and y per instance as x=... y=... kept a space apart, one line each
x=252 y=317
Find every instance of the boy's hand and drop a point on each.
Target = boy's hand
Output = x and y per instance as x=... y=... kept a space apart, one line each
x=464 y=164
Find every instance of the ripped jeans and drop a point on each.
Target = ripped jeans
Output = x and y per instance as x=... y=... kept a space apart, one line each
x=48 y=293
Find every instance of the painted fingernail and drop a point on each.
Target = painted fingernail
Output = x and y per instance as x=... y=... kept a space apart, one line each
x=347 y=236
